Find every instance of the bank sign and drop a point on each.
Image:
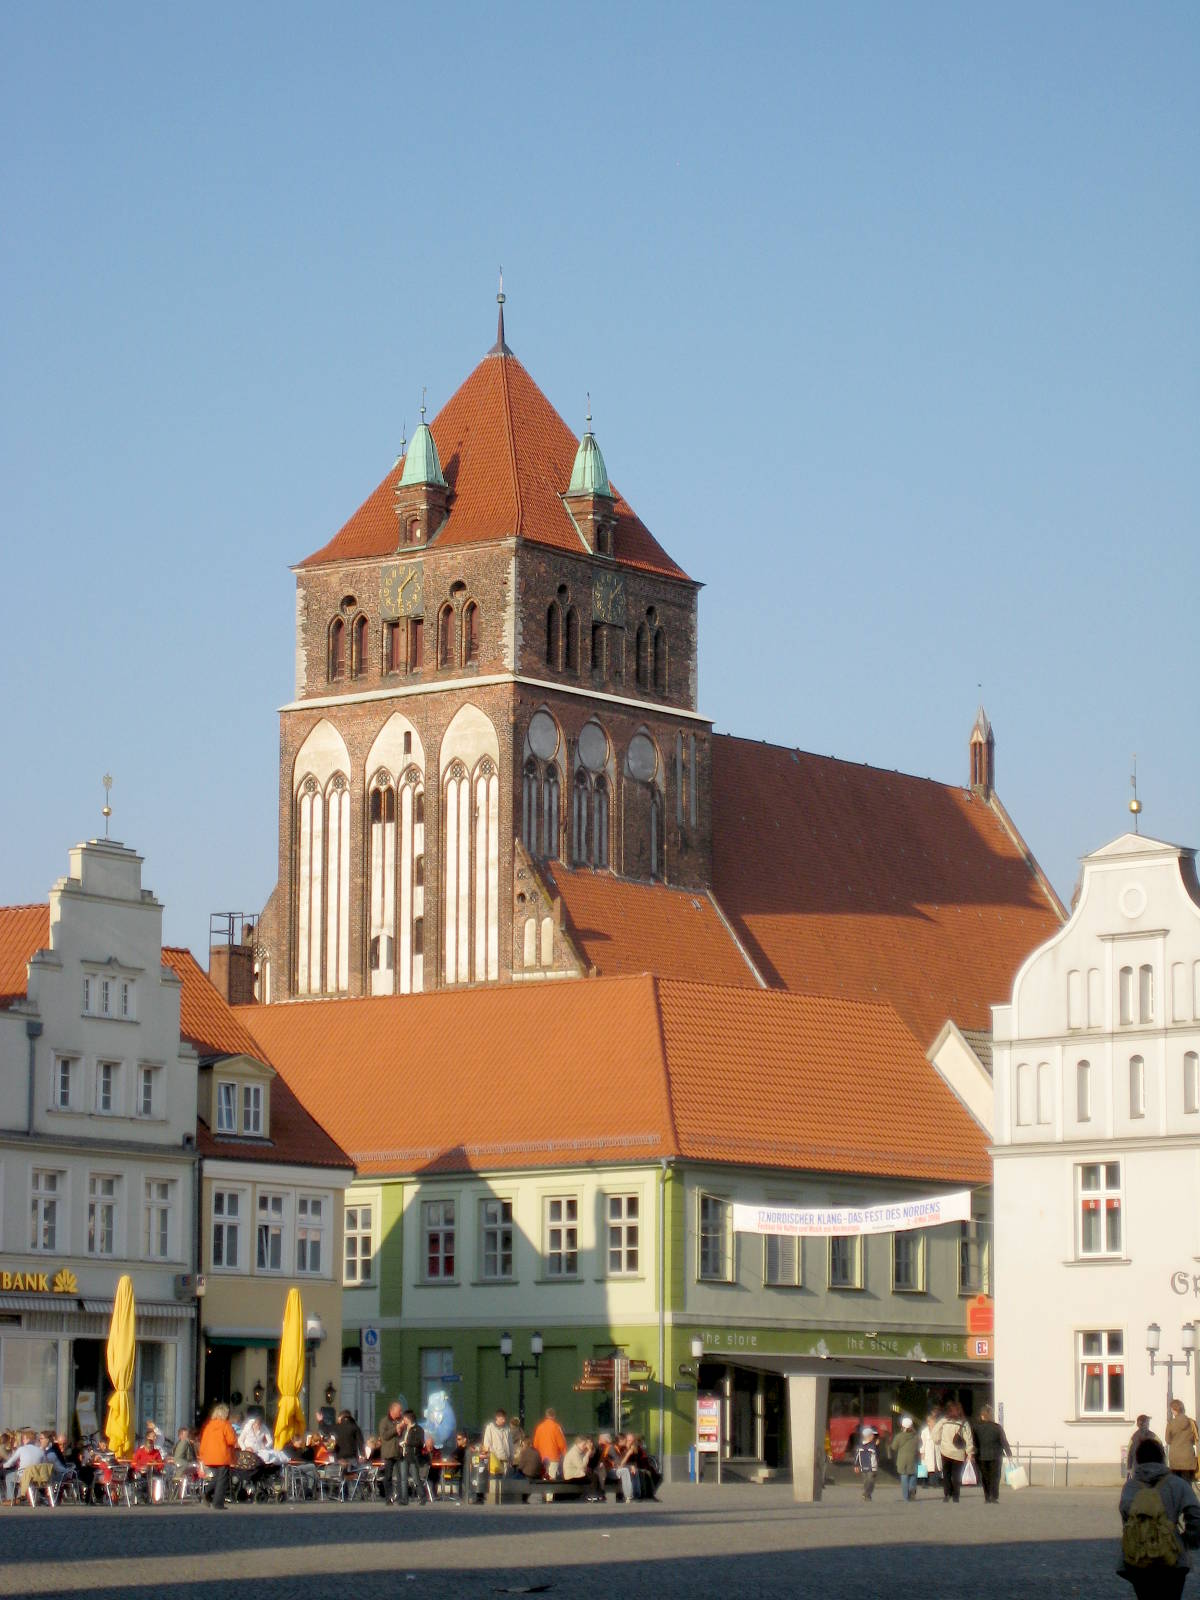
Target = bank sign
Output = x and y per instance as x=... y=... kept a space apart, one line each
x=839 y=1222
x=63 y=1282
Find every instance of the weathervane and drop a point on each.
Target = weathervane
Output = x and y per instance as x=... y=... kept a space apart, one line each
x=422 y=404
x=589 y=415
x=1135 y=805
x=106 y=809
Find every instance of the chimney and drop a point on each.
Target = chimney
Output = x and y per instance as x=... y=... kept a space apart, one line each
x=231 y=957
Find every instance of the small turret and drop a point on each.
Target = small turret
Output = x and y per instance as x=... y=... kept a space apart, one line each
x=983 y=755
x=589 y=497
x=421 y=495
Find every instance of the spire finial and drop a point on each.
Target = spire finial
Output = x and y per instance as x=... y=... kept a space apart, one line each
x=106 y=809
x=422 y=404
x=589 y=409
x=1135 y=805
x=500 y=347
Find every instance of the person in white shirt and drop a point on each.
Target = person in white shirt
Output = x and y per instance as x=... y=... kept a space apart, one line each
x=498 y=1442
x=28 y=1453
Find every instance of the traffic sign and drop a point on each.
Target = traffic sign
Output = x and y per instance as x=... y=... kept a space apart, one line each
x=370 y=1337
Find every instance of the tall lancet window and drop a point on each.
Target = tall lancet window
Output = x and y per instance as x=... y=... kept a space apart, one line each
x=470 y=844
x=381 y=809
x=394 y=901
x=592 y=796
x=321 y=864
x=541 y=790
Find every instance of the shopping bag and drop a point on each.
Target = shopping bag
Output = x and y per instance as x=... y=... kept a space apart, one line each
x=969 y=1478
x=922 y=1470
x=1015 y=1475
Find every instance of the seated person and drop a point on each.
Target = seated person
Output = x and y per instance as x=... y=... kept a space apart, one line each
x=626 y=1467
x=348 y=1439
x=580 y=1464
x=28 y=1453
x=528 y=1460
x=184 y=1453
x=650 y=1475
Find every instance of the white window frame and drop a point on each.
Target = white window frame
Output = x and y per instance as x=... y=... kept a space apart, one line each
x=1105 y=1199
x=158 y=1210
x=714 y=1233
x=914 y=1237
x=126 y=994
x=854 y=1280
x=496 y=1239
x=253 y=1109
x=102 y=1203
x=147 y=1078
x=113 y=1108
x=623 y=1234
x=312 y=1217
x=354 y=1231
x=48 y=1204
x=239 y=1222
x=783 y=1261
x=225 y=1125
x=975 y=1241
x=1101 y=1361
x=270 y=1220
x=70 y=1066
x=439 y=1220
x=560 y=1234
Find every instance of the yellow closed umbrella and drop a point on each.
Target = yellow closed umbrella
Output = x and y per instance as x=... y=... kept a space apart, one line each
x=290 y=1376
x=118 y=1425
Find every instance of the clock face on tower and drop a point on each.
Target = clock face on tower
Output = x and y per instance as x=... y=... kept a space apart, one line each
x=608 y=598
x=400 y=589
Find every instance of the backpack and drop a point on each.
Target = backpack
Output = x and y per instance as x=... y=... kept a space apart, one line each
x=1148 y=1538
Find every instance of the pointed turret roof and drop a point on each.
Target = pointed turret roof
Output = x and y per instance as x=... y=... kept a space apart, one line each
x=507 y=459
x=983 y=727
x=589 y=475
x=421 y=464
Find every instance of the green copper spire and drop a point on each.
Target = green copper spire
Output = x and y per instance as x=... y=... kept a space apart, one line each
x=421 y=464
x=589 y=474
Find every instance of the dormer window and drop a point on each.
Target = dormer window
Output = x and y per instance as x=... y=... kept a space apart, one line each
x=227 y=1108
x=252 y=1108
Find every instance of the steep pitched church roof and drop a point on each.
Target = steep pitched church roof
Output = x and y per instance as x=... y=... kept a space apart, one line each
x=507 y=457
x=843 y=879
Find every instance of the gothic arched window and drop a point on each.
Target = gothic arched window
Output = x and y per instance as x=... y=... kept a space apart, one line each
x=643 y=656
x=553 y=635
x=337 y=649
x=660 y=660
x=445 y=637
x=572 y=652
x=471 y=635
x=541 y=786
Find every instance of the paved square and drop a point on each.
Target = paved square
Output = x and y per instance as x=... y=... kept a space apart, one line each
x=699 y=1542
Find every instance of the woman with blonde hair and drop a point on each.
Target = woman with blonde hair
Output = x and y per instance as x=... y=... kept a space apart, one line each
x=218 y=1442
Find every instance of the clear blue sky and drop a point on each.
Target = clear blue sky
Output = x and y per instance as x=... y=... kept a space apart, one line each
x=888 y=314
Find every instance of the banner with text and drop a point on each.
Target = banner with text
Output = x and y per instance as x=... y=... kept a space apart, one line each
x=830 y=1222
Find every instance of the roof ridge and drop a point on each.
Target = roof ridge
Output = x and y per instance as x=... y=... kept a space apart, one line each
x=841 y=761
x=666 y=1066
x=512 y=442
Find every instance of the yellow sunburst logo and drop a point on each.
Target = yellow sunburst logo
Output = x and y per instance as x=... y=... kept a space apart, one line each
x=65 y=1282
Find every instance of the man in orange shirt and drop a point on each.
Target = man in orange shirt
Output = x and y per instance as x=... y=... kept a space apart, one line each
x=550 y=1443
x=217 y=1445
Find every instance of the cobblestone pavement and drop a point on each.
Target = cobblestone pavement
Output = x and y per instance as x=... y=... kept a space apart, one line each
x=698 y=1542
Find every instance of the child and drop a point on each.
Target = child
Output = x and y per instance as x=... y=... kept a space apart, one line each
x=866 y=1461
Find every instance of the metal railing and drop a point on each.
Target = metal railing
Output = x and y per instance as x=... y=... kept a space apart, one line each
x=1042 y=1454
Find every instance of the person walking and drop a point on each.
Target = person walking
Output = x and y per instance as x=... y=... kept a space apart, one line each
x=1142 y=1431
x=413 y=1444
x=550 y=1442
x=930 y=1459
x=1154 y=1501
x=955 y=1444
x=1180 y=1440
x=866 y=1460
x=905 y=1448
x=390 y=1451
x=991 y=1445
x=218 y=1442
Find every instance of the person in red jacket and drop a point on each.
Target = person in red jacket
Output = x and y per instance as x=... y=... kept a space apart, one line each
x=216 y=1450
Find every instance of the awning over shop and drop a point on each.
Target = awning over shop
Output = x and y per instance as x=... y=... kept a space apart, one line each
x=39 y=1302
x=169 y=1310
x=242 y=1341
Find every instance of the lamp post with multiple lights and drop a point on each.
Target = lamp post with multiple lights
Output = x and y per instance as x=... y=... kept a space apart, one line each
x=521 y=1367
x=1154 y=1340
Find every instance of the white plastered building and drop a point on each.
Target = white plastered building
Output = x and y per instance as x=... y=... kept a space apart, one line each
x=1097 y=1160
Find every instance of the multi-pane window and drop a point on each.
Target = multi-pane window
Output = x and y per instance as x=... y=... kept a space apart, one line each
x=715 y=1238
x=146 y=1080
x=436 y=1365
x=101 y=1215
x=310 y=1232
x=126 y=999
x=496 y=1238
x=908 y=1262
x=64 y=1082
x=360 y=1245
x=227 y=1108
x=270 y=1232
x=781 y=1260
x=1100 y=1209
x=226 y=1233
x=1102 y=1373
x=252 y=1108
x=624 y=1235
x=845 y=1263
x=47 y=1190
x=89 y=992
x=437 y=1230
x=156 y=1229
x=562 y=1236
x=974 y=1257
x=106 y=1085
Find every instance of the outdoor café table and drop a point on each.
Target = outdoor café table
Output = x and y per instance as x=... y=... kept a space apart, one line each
x=300 y=1480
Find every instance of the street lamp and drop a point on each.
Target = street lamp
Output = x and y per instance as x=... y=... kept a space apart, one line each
x=1154 y=1340
x=521 y=1367
x=314 y=1335
x=693 y=1371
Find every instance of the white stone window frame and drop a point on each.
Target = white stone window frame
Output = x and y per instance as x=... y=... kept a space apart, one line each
x=313 y=1218
x=1103 y=1363
x=496 y=1229
x=100 y=1202
x=439 y=1220
x=59 y=1198
x=154 y=1206
x=560 y=1237
x=275 y=1220
x=855 y=1281
x=243 y=1223
x=1106 y=1198
x=149 y=1076
x=627 y=1227
x=975 y=1240
x=66 y=1075
x=108 y=1086
x=352 y=1228
x=720 y=1269
x=917 y=1239
x=253 y=1106
x=225 y=1124
x=778 y=1274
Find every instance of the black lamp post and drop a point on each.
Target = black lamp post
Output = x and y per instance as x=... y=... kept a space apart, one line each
x=1153 y=1341
x=521 y=1367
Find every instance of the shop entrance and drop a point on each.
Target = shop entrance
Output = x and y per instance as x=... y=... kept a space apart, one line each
x=218 y=1374
x=88 y=1376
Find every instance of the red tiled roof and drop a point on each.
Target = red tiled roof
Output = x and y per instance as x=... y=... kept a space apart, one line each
x=23 y=931
x=621 y=1069
x=623 y=927
x=297 y=1138
x=847 y=880
x=506 y=455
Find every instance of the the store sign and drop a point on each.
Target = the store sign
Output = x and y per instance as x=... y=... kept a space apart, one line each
x=708 y=1422
x=840 y=1222
x=64 y=1281
x=1186 y=1283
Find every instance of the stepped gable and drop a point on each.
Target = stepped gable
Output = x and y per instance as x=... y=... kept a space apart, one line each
x=847 y=880
x=623 y=927
x=24 y=930
x=704 y=1071
x=208 y=1023
x=507 y=457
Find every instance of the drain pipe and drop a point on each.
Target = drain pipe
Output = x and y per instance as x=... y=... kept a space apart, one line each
x=33 y=1032
x=662 y=1315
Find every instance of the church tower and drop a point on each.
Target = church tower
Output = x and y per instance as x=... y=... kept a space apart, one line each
x=495 y=686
